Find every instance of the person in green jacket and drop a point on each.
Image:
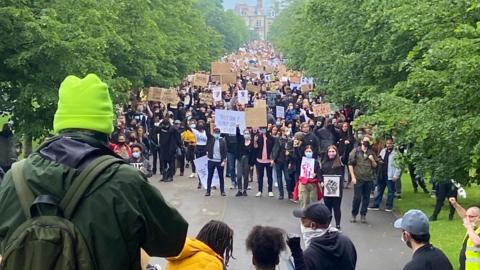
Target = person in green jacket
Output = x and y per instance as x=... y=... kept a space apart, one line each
x=121 y=213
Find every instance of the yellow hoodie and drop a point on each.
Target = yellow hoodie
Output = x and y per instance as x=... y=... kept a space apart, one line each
x=196 y=255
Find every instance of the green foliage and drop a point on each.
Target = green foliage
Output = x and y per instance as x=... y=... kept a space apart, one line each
x=131 y=44
x=411 y=65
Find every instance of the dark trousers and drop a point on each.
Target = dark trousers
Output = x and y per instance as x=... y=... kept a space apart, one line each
x=168 y=168
x=361 y=194
x=212 y=165
x=282 y=170
x=333 y=204
x=181 y=163
x=156 y=158
x=291 y=181
x=260 y=171
x=416 y=179
x=243 y=170
x=231 y=167
x=390 y=194
x=444 y=191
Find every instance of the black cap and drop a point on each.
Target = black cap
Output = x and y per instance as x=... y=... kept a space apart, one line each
x=317 y=212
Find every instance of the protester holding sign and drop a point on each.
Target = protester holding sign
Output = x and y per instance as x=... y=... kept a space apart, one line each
x=263 y=145
x=333 y=186
x=217 y=155
x=308 y=189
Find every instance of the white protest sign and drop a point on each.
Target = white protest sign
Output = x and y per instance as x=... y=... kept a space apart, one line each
x=243 y=96
x=227 y=121
x=307 y=168
x=280 y=112
x=201 y=164
x=217 y=93
x=331 y=185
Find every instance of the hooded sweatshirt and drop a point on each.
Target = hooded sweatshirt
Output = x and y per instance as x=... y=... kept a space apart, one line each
x=331 y=251
x=196 y=255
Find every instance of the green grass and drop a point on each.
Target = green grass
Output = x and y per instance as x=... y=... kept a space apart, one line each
x=446 y=235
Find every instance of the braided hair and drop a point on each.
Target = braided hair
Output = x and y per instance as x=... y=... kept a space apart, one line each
x=219 y=237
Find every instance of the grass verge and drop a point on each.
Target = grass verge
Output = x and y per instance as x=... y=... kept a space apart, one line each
x=446 y=235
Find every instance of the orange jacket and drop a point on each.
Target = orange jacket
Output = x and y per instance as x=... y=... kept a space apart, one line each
x=196 y=255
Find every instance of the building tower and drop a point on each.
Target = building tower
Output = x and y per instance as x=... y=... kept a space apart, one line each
x=259 y=7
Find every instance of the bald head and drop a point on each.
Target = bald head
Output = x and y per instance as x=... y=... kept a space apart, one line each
x=473 y=215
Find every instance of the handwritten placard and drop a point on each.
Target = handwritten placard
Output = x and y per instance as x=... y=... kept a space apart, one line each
x=227 y=121
x=206 y=98
x=228 y=78
x=280 y=111
x=307 y=167
x=322 y=109
x=243 y=96
x=201 y=164
x=201 y=80
x=220 y=68
x=256 y=117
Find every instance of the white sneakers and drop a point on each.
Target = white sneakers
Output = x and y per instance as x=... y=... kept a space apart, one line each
x=270 y=194
x=193 y=175
x=259 y=194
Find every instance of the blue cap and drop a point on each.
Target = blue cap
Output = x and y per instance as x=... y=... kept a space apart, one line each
x=414 y=222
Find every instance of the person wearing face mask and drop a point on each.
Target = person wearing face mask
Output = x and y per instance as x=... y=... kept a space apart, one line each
x=333 y=166
x=361 y=165
x=280 y=159
x=169 y=142
x=155 y=144
x=139 y=162
x=263 y=145
x=416 y=235
x=217 y=155
x=308 y=189
x=189 y=141
x=244 y=157
x=121 y=148
x=389 y=174
x=310 y=139
x=326 y=247
x=201 y=138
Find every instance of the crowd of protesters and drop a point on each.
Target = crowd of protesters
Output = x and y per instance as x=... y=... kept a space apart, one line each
x=154 y=137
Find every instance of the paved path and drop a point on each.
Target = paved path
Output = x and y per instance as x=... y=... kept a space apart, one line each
x=378 y=244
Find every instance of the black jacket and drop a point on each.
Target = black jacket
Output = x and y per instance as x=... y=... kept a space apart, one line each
x=311 y=139
x=244 y=150
x=169 y=142
x=332 y=251
x=210 y=145
x=259 y=149
x=279 y=148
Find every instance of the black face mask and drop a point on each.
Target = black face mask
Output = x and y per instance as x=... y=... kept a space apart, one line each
x=366 y=144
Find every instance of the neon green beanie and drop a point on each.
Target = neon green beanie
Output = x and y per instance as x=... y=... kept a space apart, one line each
x=84 y=104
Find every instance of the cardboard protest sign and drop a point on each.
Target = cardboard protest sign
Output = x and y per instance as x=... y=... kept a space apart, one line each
x=217 y=94
x=170 y=96
x=216 y=78
x=201 y=80
x=243 y=96
x=224 y=87
x=260 y=103
x=280 y=112
x=202 y=171
x=206 y=98
x=322 y=109
x=307 y=168
x=220 y=68
x=154 y=94
x=228 y=78
x=227 y=121
x=331 y=185
x=253 y=88
x=295 y=79
x=256 y=117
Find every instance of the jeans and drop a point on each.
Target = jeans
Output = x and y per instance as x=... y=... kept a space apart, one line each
x=282 y=170
x=243 y=169
x=260 y=171
x=361 y=194
x=231 y=167
x=212 y=165
x=390 y=195
x=156 y=158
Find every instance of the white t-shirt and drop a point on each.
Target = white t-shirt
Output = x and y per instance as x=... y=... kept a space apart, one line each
x=201 y=137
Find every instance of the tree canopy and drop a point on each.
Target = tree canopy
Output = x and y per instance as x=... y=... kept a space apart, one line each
x=131 y=44
x=411 y=65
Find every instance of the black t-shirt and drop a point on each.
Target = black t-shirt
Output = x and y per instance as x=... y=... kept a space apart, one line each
x=428 y=258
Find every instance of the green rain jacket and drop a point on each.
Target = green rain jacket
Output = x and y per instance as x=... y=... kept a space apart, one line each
x=119 y=214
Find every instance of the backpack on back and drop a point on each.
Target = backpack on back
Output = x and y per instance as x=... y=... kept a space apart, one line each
x=48 y=240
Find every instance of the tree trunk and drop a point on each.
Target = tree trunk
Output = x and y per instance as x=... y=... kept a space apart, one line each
x=27 y=145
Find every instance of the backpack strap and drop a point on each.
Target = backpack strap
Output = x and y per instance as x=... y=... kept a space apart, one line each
x=82 y=182
x=24 y=192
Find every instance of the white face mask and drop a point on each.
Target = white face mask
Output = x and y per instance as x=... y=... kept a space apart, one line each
x=309 y=234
